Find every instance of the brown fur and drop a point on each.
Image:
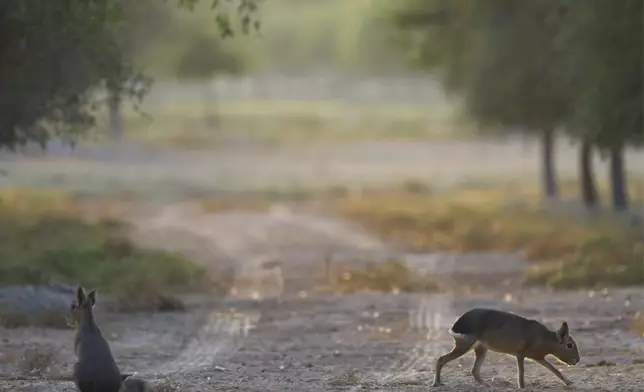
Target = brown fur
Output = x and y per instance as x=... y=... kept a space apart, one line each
x=481 y=330
x=95 y=369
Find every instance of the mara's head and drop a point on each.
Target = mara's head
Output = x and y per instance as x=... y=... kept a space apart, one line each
x=565 y=348
x=82 y=306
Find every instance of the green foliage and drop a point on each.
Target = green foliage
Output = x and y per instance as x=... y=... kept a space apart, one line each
x=285 y=123
x=498 y=54
x=203 y=57
x=514 y=77
x=58 y=57
x=439 y=35
x=245 y=9
x=535 y=64
x=565 y=252
x=602 y=43
x=167 y=41
x=54 y=55
x=598 y=263
x=332 y=34
x=335 y=34
x=54 y=245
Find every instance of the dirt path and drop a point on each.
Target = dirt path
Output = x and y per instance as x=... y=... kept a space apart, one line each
x=273 y=333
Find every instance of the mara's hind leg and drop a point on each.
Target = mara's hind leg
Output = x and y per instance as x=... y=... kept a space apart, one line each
x=479 y=353
x=461 y=346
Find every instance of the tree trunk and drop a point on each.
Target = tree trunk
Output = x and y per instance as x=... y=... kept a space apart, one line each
x=618 y=179
x=549 y=178
x=588 y=187
x=115 y=118
x=210 y=99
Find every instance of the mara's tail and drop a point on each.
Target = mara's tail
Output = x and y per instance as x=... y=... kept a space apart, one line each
x=457 y=335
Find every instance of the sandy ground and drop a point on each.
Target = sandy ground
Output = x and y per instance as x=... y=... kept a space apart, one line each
x=132 y=168
x=275 y=334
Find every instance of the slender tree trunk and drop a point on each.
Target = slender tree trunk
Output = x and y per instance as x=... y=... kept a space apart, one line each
x=588 y=187
x=618 y=179
x=115 y=118
x=209 y=99
x=550 y=188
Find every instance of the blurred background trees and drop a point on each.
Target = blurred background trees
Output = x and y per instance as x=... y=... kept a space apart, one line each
x=602 y=45
x=335 y=97
x=58 y=59
x=551 y=68
x=548 y=66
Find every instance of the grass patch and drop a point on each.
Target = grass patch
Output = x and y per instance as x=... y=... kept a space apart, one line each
x=45 y=239
x=215 y=205
x=38 y=361
x=390 y=276
x=638 y=323
x=605 y=261
x=166 y=384
x=196 y=126
x=45 y=319
x=147 y=301
x=350 y=377
x=577 y=253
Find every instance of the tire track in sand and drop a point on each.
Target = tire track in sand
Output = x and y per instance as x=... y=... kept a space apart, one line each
x=251 y=242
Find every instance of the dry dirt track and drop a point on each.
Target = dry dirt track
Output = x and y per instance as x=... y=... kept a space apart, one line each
x=312 y=342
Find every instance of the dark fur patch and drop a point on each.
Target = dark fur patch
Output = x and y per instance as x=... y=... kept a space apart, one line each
x=98 y=386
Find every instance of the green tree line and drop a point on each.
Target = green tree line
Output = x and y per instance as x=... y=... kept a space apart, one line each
x=331 y=34
x=60 y=59
x=547 y=66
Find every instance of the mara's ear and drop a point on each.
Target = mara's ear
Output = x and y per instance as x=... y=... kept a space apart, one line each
x=92 y=297
x=562 y=332
x=80 y=295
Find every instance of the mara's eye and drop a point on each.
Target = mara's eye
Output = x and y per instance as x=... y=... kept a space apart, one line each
x=570 y=345
x=72 y=306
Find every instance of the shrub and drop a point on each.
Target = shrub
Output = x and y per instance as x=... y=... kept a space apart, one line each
x=43 y=242
x=575 y=252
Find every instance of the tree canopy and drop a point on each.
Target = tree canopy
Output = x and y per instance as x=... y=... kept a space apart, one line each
x=538 y=65
x=602 y=43
x=57 y=57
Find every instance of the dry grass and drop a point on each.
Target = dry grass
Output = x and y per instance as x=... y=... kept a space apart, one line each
x=596 y=262
x=350 y=377
x=46 y=238
x=393 y=329
x=392 y=277
x=191 y=126
x=147 y=301
x=45 y=319
x=38 y=360
x=215 y=205
x=167 y=385
x=579 y=252
x=638 y=323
